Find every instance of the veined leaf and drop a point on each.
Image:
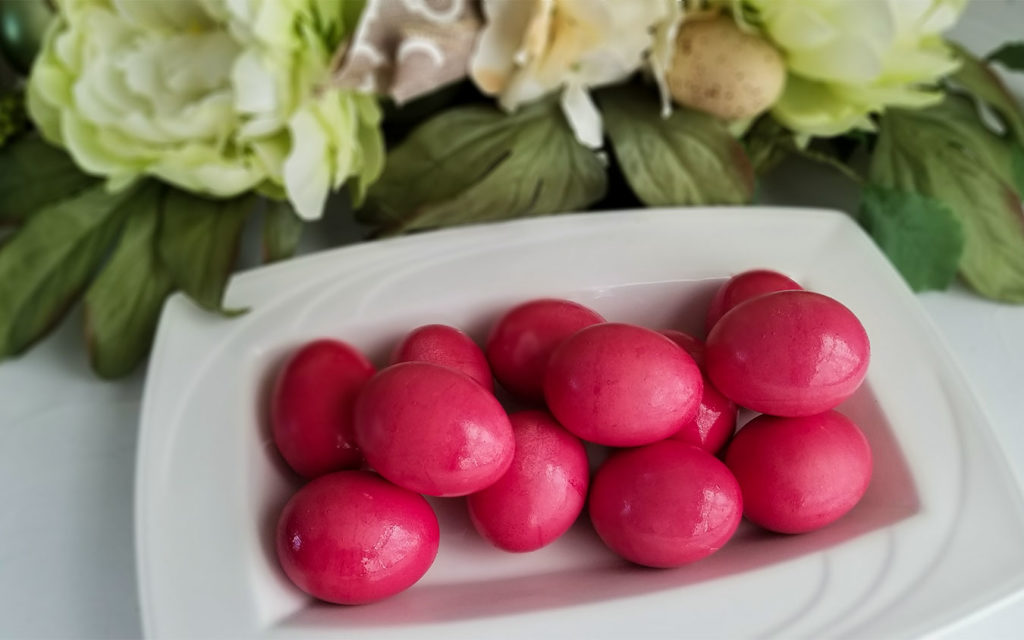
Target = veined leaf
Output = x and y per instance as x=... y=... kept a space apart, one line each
x=48 y=261
x=947 y=154
x=1010 y=55
x=921 y=236
x=767 y=144
x=282 y=230
x=475 y=164
x=688 y=158
x=1017 y=167
x=198 y=244
x=34 y=174
x=976 y=77
x=123 y=304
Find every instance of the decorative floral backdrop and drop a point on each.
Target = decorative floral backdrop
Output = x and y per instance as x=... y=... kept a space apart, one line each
x=145 y=133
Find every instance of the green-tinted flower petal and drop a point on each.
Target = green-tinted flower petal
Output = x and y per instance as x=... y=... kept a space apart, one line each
x=812 y=107
x=307 y=174
x=180 y=15
x=215 y=96
x=371 y=146
x=849 y=59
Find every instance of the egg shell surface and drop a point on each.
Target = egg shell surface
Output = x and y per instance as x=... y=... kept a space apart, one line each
x=523 y=339
x=800 y=474
x=791 y=353
x=664 y=505
x=541 y=494
x=351 y=537
x=622 y=385
x=433 y=430
x=312 y=404
x=744 y=286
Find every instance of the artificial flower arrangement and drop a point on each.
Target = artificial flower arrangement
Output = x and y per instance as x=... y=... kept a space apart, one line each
x=146 y=134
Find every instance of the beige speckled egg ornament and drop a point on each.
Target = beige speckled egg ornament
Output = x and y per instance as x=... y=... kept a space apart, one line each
x=721 y=69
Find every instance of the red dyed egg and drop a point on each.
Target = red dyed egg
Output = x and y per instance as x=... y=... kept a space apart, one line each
x=743 y=287
x=351 y=537
x=621 y=385
x=792 y=353
x=713 y=424
x=800 y=474
x=522 y=341
x=311 y=407
x=541 y=494
x=664 y=505
x=688 y=343
x=448 y=347
x=433 y=430
x=715 y=420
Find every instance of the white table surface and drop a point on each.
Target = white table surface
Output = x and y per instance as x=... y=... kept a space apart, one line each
x=67 y=440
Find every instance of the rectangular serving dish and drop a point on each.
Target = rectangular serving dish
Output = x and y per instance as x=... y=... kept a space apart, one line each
x=936 y=537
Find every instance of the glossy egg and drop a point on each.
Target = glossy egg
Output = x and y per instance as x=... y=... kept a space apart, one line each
x=664 y=505
x=523 y=339
x=688 y=343
x=541 y=494
x=792 y=353
x=743 y=287
x=621 y=385
x=715 y=420
x=351 y=537
x=445 y=346
x=433 y=430
x=713 y=424
x=800 y=474
x=311 y=407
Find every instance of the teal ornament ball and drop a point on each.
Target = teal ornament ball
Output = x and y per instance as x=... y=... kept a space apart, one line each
x=22 y=25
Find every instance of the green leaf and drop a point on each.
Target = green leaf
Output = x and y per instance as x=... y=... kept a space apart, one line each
x=13 y=119
x=351 y=10
x=767 y=143
x=980 y=81
x=688 y=158
x=476 y=164
x=49 y=260
x=921 y=236
x=282 y=230
x=827 y=158
x=199 y=243
x=1017 y=167
x=404 y=118
x=1010 y=55
x=34 y=174
x=123 y=304
x=946 y=153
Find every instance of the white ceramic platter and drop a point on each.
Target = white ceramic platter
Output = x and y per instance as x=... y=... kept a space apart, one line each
x=937 y=537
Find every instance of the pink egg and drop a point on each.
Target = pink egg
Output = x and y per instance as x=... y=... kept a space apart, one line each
x=351 y=537
x=541 y=494
x=448 y=347
x=522 y=341
x=664 y=505
x=621 y=385
x=688 y=343
x=800 y=474
x=433 y=430
x=311 y=407
x=715 y=420
x=792 y=353
x=713 y=424
x=745 y=286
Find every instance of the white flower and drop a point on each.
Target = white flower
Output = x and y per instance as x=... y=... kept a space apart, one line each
x=530 y=48
x=215 y=96
x=848 y=59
